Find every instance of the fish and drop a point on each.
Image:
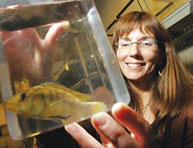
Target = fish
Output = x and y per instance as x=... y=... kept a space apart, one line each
x=51 y=101
x=82 y=96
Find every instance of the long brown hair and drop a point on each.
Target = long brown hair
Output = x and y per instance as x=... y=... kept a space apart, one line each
x=172 y=91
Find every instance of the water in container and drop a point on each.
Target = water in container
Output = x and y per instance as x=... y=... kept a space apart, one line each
x=56 y=65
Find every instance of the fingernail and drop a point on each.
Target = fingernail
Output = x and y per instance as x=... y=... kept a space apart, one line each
x=99 y=119
x=66 y=24
x=71 y=127
x=117 y=106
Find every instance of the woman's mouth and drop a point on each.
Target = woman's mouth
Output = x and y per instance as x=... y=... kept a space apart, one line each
x=135 y=65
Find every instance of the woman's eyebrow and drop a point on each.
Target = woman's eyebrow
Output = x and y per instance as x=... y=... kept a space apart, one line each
x=124 y=39
x=141 y=38
x=146 y=37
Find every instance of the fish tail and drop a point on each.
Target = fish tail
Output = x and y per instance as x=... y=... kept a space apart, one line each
x=96 y=107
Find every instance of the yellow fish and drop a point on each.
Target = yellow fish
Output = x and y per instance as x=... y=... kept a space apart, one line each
x=53 y=101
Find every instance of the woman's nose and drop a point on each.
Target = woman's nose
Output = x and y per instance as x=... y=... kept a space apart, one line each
x=134 y=50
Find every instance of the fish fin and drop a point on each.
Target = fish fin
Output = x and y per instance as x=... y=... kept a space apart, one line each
x=96 y=107
x=81 y=96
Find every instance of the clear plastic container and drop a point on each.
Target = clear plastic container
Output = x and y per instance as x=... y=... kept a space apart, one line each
x=79 y=57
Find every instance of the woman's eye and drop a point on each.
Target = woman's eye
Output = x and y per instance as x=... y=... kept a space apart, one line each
x=125 y=44
x=148 y=43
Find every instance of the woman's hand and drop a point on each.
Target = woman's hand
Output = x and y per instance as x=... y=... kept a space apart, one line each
x=29 y=55
x=113 y=132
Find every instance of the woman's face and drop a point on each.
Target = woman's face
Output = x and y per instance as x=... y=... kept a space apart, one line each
x=138 y=61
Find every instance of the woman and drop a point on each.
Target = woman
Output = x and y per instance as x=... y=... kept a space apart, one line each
x=160 y=87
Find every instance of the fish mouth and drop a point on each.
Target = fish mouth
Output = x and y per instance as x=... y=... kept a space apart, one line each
x=10 y=106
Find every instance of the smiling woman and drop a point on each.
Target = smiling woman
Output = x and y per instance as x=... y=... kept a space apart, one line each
x=161 y=95
x=138 y=61
x=161 y=91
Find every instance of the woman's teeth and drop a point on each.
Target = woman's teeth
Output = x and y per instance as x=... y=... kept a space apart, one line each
x=134 y=65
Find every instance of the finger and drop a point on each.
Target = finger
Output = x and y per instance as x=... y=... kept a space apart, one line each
x=106 y=142
x=84 y=139
x=14 y=6
x=107 y=127
x=28 y=35
x=55 y=32
x=134 y=122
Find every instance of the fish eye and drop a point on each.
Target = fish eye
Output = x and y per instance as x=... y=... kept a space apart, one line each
x=23 y=96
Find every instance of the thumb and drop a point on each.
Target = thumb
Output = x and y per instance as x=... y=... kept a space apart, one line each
x=55 y=32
